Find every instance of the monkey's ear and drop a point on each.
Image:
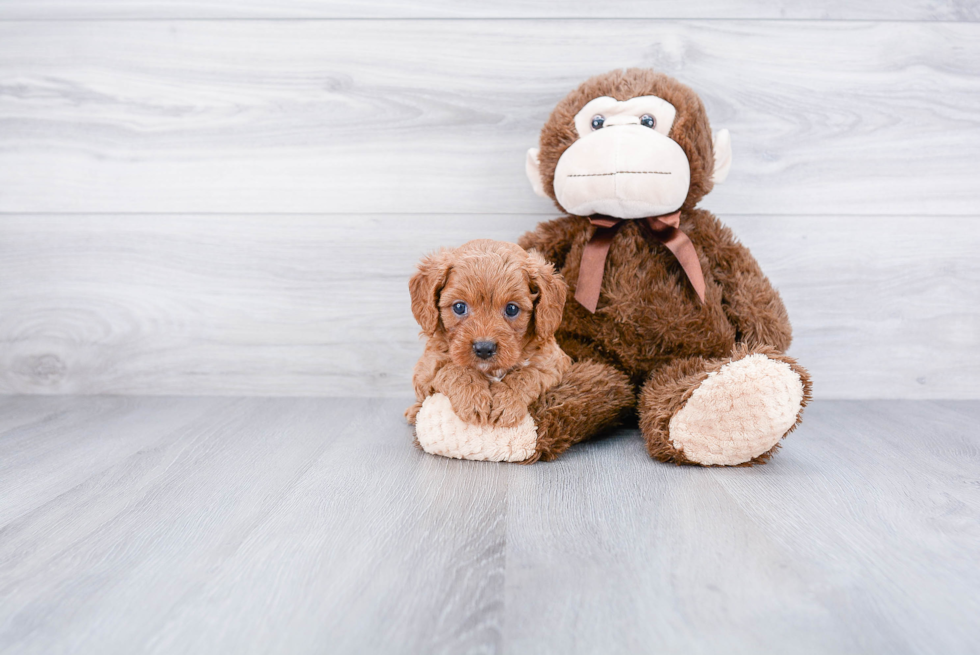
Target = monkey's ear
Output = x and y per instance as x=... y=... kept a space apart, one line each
x=723 y=156
x=425 y=287
x=533 y=169
x=551 y=290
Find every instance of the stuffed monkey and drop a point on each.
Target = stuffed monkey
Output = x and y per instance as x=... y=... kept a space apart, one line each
x=672 y=318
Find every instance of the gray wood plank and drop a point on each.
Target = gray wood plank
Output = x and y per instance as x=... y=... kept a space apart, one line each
x=435 y=116
x=60 y=463
x=318 y=305
x=910 y=477
x=306 y=525
x=310 y=9
x=257 y=526
x=860 y=536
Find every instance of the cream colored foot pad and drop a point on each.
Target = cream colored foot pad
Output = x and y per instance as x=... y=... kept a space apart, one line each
x=739 y=412
x=441 y=432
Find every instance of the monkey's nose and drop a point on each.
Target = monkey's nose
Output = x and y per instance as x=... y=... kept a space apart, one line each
x=484 y=349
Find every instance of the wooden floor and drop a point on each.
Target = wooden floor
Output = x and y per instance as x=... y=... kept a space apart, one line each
x=224 y=525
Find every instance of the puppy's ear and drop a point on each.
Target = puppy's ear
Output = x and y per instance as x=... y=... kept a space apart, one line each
x=551 y=289
x=425 y=286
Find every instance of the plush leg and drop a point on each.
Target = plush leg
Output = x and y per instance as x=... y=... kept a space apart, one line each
x=590 y=398
x=723 y=412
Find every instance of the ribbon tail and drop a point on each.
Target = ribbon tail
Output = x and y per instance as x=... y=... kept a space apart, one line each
x=680 y=244
x=591 y=269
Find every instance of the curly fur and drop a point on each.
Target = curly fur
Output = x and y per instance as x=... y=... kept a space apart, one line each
x=487 y=276
x=650 y=327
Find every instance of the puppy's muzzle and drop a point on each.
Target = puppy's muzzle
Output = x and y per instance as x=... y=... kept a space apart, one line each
x=484 y=349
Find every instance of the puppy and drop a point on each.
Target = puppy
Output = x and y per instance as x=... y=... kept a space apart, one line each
x=489 y=310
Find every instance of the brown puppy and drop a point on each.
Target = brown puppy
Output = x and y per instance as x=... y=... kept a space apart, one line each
x=489 y=310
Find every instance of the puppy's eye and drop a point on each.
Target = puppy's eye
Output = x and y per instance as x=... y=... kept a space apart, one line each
x=512 y=310
x=459 y=308
x=646 y=120
x=597 y=122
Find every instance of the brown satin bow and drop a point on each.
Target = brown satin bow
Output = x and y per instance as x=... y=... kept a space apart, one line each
x=666 y=229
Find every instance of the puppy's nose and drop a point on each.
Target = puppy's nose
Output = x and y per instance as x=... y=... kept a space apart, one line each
x=484 y=349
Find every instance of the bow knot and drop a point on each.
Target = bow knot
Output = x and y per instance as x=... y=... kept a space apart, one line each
x=666 y=230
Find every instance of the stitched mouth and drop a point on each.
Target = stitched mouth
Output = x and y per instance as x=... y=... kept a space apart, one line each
x=621 y=173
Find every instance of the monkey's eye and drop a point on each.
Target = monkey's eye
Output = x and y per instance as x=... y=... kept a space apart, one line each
x=512 y=310
x=646 y=120
x=597 y=122
x=459 y=308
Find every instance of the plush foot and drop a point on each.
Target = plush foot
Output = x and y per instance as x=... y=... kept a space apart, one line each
x=739 y=412
x=440 y=432
x=723 y=412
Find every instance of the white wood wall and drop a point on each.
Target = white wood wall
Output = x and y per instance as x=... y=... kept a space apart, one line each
x=228 y=197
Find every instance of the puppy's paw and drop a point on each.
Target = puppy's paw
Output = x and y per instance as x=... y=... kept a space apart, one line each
x=472 y=404
x=412 y=412
x=509 y=409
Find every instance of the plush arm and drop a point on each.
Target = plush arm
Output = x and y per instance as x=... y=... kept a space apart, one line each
x=749 y=299
x=553 y=239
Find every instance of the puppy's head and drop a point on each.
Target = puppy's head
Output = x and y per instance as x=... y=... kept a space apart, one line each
x=490 y=299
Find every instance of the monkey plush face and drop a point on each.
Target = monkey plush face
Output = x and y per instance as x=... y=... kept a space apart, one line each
x=623 y=163
x=628 y=144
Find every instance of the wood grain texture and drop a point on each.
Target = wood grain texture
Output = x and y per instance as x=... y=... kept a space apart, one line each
x=319 y=305
x=160 y=525
x=223 y=525
x=926 y=10
x=435 y=116
x=860 y=537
